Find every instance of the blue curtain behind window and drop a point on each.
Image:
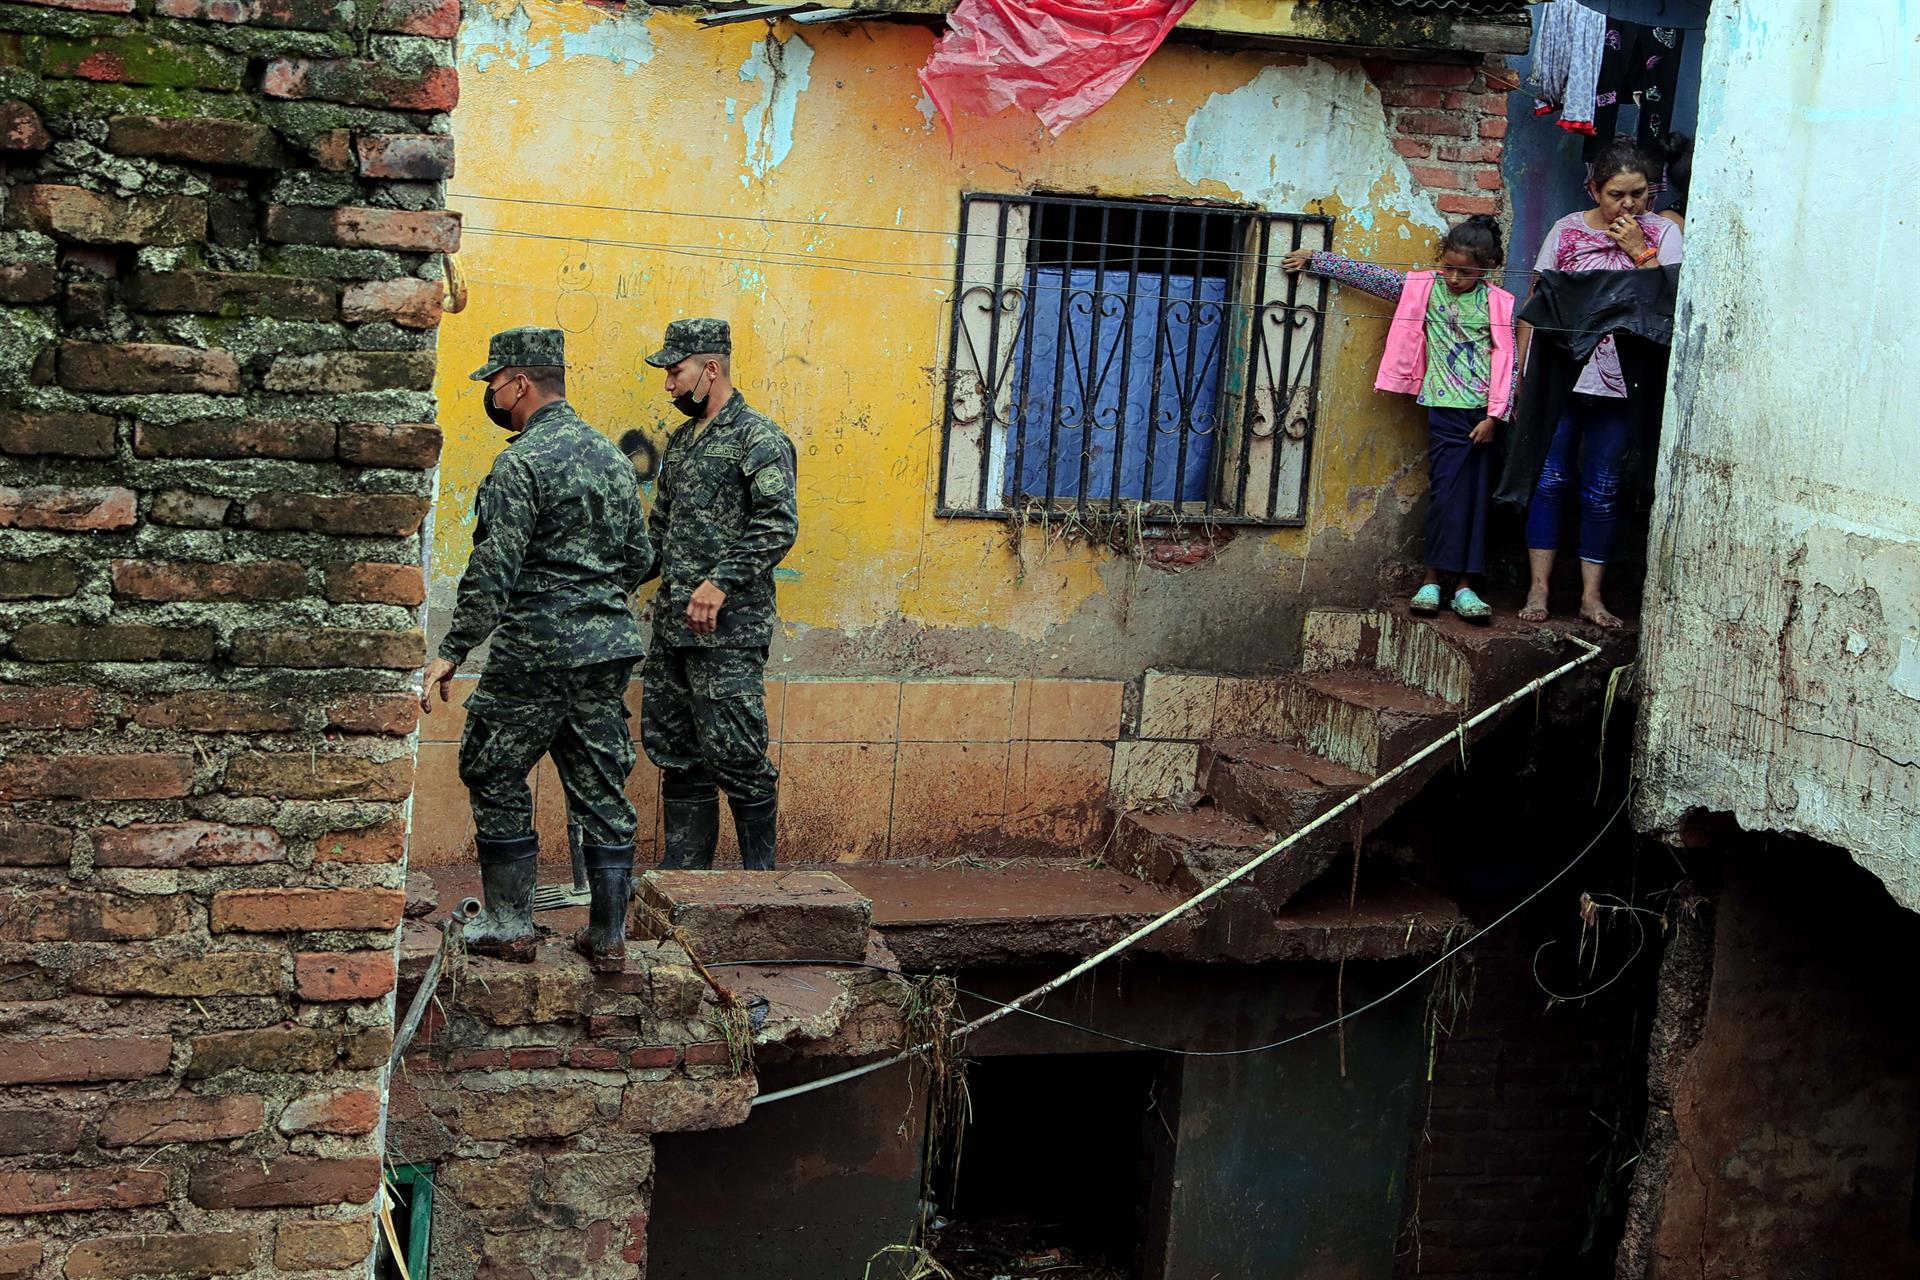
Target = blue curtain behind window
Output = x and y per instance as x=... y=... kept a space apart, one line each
x=1176 y=320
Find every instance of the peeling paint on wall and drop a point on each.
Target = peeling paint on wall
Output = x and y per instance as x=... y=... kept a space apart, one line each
x=1299 y=133
x=499 y=36
x=780 y=66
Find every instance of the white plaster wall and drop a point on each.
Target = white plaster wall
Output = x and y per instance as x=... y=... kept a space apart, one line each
x=1782 y=629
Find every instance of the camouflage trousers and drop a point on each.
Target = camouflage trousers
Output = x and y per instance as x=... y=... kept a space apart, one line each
x=578 y=715
x=703 y=712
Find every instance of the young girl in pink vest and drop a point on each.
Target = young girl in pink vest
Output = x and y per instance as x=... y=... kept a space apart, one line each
x=1451 y=346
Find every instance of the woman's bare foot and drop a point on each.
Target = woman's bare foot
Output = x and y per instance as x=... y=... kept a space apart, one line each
x=1535 y=609
x=1593 y=611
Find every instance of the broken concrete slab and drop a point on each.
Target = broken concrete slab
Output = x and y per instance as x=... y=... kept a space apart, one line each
x=756 y=915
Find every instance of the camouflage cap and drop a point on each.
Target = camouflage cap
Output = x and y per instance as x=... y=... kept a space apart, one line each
x=693 y=338
x=527 y=348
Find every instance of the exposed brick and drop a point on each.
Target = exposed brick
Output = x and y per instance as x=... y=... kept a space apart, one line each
x=34 y=844
x=343 y=975
x=20 y=1259
x=1473 y=152
x=141 y=59
x=1433 y=123
x=408 y=302
x=373 y=583
x=594 y=1059
x=185 y=1117
x=143 y=367
x=88 y=6
x=655 y=1056
x=1493 y=127
x=390 y=713
x=537 y=1058
x=344 y=1111
x=1489 y=180
x=409 y=445
x=125 y=642
x=243 y=973
x=317 y=15
x=27 y=983
x=1394 y=95
x=186 y=844
x=1466 y=204
x=357 y=227
x=385 y=843
x=266 y=1049
x=332 y=372
x=1428 y=175
x=28 y=281
x=415 y=157
x=708 y=1053
x=20 y=128
x=373 y=514
x=295 y=438
x=304 y=1245
x=361 y=82
x=284 y=1183
x=40 y=1132
x=68 y=435
x=1413 y=148
x=78 y=777
x=48 y=507
x=47 y=578
x=208 y=580
x=220 y=711
x=529 y=1111
x=332 y=150
x=60 y=914
x=417 y=17
x=74 y=1190
x=76 y=1059
x=315 y=648
x=222 y=1253
x=26 y=706
x=189 y=510
x=476 y=1059
x=233 y=293
x=305 y=910
x=1442 y=73
x=208 y=141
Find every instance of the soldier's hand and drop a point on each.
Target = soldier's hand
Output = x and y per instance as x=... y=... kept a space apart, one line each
x=439 y=672
x=703 y=611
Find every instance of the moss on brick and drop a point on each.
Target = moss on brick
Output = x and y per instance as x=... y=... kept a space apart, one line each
x=304 y=120
x=68 y=101
x=326 y=189
x=61 y=22
x=140 y=59
x=340 y=264
x=259 y=42
x=25 y=332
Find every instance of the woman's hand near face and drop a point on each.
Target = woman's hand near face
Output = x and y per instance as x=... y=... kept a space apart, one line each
x=1625 y=232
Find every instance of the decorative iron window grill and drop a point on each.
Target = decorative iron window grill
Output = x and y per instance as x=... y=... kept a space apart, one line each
x=1115 y=354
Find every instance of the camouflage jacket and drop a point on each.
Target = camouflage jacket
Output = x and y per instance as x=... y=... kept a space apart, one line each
x=724 y=510
x=559 y=544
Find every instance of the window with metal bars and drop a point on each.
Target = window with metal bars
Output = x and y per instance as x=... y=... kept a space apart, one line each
x=1131 y=355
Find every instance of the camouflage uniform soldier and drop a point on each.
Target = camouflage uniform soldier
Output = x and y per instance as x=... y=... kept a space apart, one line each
x=559 y=545
x=723 y=517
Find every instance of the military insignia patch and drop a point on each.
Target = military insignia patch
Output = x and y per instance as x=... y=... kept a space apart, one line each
x=771 y=482
x=731 y=452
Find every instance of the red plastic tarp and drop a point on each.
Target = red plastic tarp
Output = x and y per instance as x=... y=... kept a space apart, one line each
x=1059 y=60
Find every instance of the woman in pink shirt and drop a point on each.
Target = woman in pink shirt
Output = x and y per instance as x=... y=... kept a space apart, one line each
x=1589 y=449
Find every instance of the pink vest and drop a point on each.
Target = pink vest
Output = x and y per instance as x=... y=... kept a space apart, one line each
x=1404 y=366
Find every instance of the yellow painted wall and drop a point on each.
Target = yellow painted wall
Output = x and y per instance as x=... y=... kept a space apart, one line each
x=614 y=171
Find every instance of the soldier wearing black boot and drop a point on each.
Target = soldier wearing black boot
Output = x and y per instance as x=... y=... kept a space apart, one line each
x=559 y=545
x=723 y=517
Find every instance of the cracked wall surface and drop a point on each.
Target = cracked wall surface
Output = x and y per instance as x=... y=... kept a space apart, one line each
x=1781 y=634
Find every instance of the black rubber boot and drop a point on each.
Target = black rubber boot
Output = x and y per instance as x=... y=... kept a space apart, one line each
x=754 y=822
x=691 y=810
x=504 y=927
x=610 y=875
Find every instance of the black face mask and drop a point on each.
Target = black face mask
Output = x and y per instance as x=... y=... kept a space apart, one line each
x=695 y=409
x=500 y=417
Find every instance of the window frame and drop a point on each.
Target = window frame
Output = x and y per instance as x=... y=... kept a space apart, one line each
x=1248 y=393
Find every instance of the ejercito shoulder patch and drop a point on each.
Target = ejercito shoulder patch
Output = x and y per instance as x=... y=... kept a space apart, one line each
x=771 y=482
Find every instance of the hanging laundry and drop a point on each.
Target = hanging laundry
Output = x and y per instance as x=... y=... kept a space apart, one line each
x=1639 y=64
x=1060 y=60
x=1568 y=45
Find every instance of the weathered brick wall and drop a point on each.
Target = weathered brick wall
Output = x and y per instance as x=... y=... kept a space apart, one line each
x=1449 y=120
x=219 y=285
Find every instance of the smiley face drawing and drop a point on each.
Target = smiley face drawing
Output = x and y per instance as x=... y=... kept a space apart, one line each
x=577 y=308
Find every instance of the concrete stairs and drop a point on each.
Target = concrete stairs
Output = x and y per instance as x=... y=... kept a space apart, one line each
x=1376 y=686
